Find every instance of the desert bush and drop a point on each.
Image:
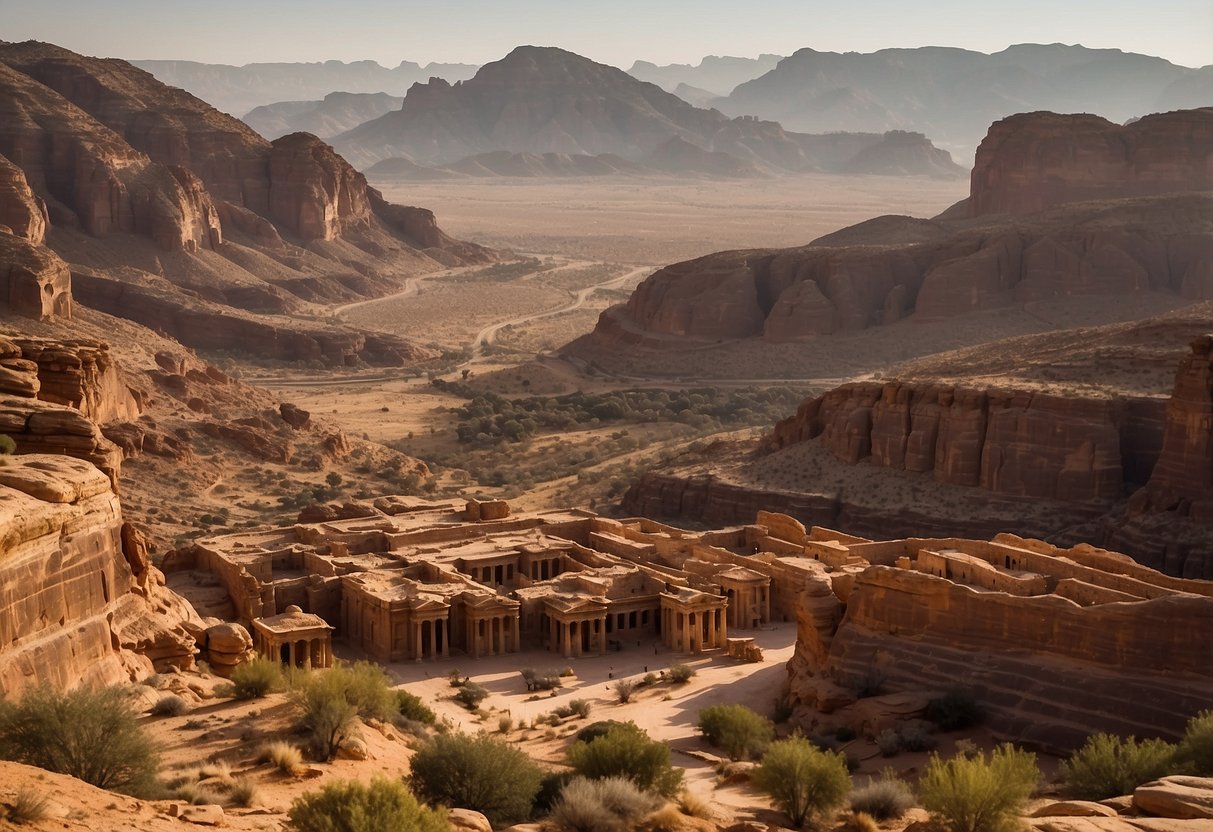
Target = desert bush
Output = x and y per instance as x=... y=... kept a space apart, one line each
x=197 y=794
x=471 y=695
x=883 y=799
x=802 y=779
x=282 y=756
x=612 y=804
x=627 y=751
x=980 y=794
x=92 y=735
x=624 y=689
x=739 y=731
x=504 y=724
x=550 y=787
x=327 y=716
x=692 y=804
x=916 y=736
x=1109 y=766
x=7 y=445
x=535 y=680
x=243 y=792
x=580 y=707
x=369 y=689
x=596 y=729
x=1195 y=752
x=410 y=706
x=170 y=705
x=256 y=678
x=478 y=772
x=859 y=822
x=351 y=806
x=681 y=673
x=27 y=807
x=955 y=710
x=889 y=743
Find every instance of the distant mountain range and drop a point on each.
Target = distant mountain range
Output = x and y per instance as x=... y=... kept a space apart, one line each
x=715 y=75
x=543 y=100
x=336 y=113
x=952 y=95
x=238 y=89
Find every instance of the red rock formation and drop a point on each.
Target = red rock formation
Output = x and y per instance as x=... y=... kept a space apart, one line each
x=21 y=211
x=80 y=374
x=314 y=193
x=1032 y=161
x=72 y=610
x=1005 y=441
x=34 y=282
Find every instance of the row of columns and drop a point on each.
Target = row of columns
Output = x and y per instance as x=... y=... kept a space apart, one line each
x=570 y=635
x=749 y=606
x=305 y=653
x=493 y=635
x=544 y=568
x=691 y=631
x=435 y=642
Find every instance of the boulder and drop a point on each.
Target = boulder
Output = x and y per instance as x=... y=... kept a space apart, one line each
x=466 y=820
x=1076 y=809
x=1186 y=798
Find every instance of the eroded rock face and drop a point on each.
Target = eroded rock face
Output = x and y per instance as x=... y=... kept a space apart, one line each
x=72 y=610
x=1005 y=441
x=80 y=374
x=34 y=282
x=902 y=268
x=314 y=193
x=1032 y=161
x=20 y=209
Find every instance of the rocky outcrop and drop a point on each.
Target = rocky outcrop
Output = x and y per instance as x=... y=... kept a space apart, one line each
x=34 y=282
x=79 y=605
x=1009 y=442
x=1032 y=161
x=1048 y=670
x=82 y=374
x=313 y=191
x=21 y=211
x=902 y=153
x=882 y=272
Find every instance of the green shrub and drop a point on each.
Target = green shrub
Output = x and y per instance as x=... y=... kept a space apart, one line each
x=596 y=729
x=351 y=806
x=681 y=673
x=581 y=707
x=1195 y=752
x=369 y=689
x=410 y=706
x=955 y=710
x=477 y=772
x=1109 y=766
x=93 y=736
x=612 y=804
x=328 y=717
x=802 y=779
x=471 y=695
x=170 y=705
x=739 y=731
x=627 y=751
x=256 y=678
x=889 y=743
x=7 y=445
x=883 y=799
x=976 y=794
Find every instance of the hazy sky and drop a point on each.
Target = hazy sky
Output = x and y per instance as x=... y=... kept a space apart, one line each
x=617 y=32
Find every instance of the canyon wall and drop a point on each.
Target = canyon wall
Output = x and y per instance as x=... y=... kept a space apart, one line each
x=1047 y=670
x=79 y=602
x=1031 y=161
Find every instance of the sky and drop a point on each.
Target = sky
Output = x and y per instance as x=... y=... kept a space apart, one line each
x=617 y=32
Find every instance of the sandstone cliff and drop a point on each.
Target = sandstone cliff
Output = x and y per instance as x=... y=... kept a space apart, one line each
x=1115 y=224
x=79 y=602
x=1032 y=161
x=143 y=183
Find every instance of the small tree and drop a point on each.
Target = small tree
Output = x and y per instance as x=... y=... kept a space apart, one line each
x=1109 y=766
x=624 y=689
x=627 y=751
x=739 y=731
x=802 y=779
x=1196 y=748
x=351 y=806
x=477 y=772
x=93 y=736
x=980 y=794
x=327 y=715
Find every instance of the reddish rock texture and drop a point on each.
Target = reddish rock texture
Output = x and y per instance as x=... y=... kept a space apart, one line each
x=1032 y=161
x=314 y=193
x=73 y=610
x=1005 y=441
x=851 y=281
x=34 y=282
x=81 y=374
x=20 y=208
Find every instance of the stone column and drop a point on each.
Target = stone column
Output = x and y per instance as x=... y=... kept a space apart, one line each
x=685 y=641
x=568 y=637
x=766 y=604
x=475 y=639
x=602 y=639
x=433 y=639
x=724 y=630
x=552 y=640
x=517 y=645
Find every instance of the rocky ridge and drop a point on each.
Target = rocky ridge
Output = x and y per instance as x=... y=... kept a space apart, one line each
x=541 y=100
x=144 y=185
